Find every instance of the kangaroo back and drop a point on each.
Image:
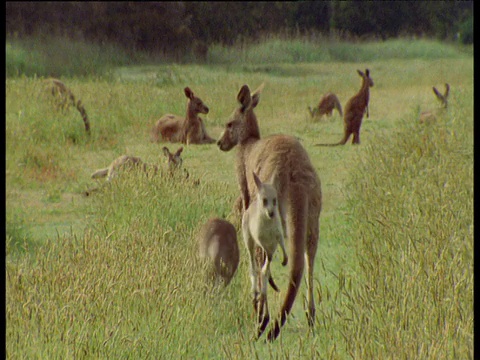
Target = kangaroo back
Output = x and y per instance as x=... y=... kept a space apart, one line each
x=217 y=243
x=65 y=96
x=100 y=173
x=189 y=129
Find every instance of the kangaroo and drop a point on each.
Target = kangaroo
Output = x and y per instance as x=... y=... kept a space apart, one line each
x=428 y=116
x=217 y=243
x=298 y=191
x=188 y=130
x=262 y=226
x=133 y=162
x=327 y=103
x=66 y=98
x=356 y=107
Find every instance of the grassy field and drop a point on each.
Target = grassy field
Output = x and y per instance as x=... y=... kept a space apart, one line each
x=115 y=274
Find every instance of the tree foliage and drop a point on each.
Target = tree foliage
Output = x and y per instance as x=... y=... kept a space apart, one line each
x=173 y=27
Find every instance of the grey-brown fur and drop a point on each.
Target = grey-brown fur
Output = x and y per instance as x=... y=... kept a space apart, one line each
x=299 y=193
x=66 y=98
x=217 y=243
x=187 y=130
x=174 y=162
x=356 y=107
x=327 y=104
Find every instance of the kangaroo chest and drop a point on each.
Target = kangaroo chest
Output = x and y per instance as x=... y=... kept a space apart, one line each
x=266 y=233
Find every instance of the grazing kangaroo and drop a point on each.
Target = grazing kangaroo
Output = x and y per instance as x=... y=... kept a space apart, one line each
x=66 y=98
x=354 y=110
x=262 y=226
x=428 y=116
x=327 y=103
x=217 y=242
x=298 y=190
x=130 y=162
x=188 y=130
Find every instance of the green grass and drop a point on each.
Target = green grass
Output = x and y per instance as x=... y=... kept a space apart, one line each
x=115 y=274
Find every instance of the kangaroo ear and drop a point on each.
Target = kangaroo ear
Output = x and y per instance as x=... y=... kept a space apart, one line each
x=361 y=73
x=166 y=151
x=188 y=93
x=447 y=90
x=367 y=72
x=244 y=97
x=437 y=93
x=256 y=95
x=257 y=181
x=179 y=151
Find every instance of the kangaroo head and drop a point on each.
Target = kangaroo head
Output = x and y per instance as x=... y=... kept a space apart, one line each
x=443 y=98
x=266 y=197
x=366 y=77
x=174 y=160
x=195 y=104
x=243 y=122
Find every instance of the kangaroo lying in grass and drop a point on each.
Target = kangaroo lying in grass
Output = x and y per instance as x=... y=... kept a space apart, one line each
x=217 y=242
x=298 y=190
x=429 y=116
x=262 y=226
x=356 y=107
x=187 y=130
x=327 y=103
x=125 y=162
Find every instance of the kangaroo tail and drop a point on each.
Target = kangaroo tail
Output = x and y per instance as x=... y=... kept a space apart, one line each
x=298 y=236
x=341 y=142
x=100 y=173
x=335 y=144
x=339 y=107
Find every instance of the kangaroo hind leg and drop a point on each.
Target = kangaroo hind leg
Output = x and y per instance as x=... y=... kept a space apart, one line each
x=262 y=310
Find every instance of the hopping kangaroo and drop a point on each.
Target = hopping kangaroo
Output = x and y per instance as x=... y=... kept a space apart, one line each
x=427 y=116
x=299 y=195
x=354 y=110
x=217 y=242
x=187 y=130
x=124 y=162
x=327 y=103
x=262 y=227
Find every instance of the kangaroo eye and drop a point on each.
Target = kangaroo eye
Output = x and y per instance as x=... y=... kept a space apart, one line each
x=265 y=202
x=274 y=202
x=229 y=125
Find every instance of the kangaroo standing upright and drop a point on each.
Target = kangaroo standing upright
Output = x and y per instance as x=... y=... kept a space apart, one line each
x=187 y=130
x=356 y=107
x=298 y=190
x=262 y=226
x=327 y=103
